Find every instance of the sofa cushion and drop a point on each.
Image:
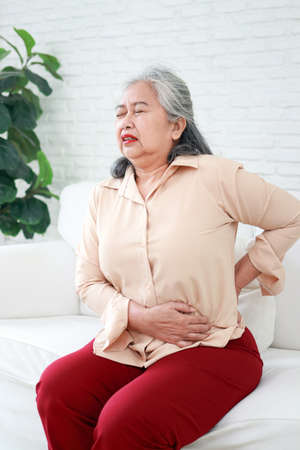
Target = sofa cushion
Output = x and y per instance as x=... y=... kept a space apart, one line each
x=258 y=311
x=27 y=346
x=288 y=303
x=268 y=418
x=18 y=405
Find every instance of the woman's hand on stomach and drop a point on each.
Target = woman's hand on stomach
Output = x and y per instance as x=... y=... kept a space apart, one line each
x=176 y=322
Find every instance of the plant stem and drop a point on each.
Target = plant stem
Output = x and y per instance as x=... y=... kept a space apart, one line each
x=15 y=48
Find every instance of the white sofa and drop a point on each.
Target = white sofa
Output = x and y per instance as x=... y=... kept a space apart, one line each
x=42 y=319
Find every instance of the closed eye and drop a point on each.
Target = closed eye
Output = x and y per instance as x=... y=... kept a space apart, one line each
x=121 y=114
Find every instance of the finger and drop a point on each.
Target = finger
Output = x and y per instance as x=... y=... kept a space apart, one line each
x=196 y=336
x=183 y=307
x=199 y=328
x=199 y=319
x=198 y=325
x=184 y=343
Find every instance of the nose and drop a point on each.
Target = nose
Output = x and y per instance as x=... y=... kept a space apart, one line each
x=127 y=121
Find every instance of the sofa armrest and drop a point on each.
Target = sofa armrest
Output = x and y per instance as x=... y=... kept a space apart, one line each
x=37 y=279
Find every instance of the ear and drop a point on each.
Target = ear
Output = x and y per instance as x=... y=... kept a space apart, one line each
x=178 y=128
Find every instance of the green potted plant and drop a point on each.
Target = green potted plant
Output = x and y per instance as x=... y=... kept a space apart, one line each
x=19 y=145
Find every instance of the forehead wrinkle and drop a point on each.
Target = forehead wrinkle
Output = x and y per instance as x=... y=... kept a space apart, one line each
x=133 y=103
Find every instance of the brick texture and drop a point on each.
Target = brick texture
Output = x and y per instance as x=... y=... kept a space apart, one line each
x=240 y=59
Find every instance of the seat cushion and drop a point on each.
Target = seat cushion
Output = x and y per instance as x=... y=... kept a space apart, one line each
x=267 y=419
x=27 y=346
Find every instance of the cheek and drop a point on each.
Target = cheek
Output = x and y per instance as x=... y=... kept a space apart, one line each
x=152 y=128
x=118 y=132
x=161 y=133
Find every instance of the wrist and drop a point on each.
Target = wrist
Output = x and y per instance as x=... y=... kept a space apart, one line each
x=244 y=272
x=238 y=289
x=137 y=314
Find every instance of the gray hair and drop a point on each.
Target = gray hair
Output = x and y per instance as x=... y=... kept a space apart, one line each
x=174 y=96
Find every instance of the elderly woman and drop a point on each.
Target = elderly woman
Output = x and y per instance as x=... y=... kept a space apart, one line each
x=156 y=263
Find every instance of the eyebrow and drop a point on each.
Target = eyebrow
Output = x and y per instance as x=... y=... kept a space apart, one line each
x=135 y=103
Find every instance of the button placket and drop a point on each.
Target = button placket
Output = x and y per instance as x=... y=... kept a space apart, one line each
x=150 y=295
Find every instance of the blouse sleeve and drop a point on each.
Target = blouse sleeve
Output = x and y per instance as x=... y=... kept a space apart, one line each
x=246 y=197
x=93 y=288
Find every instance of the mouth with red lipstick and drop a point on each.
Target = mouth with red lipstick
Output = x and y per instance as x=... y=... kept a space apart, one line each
x=128 y=138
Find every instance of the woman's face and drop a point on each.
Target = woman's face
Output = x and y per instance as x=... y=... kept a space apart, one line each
x=141 y=115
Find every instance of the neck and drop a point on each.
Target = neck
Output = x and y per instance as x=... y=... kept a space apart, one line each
x=150 y=174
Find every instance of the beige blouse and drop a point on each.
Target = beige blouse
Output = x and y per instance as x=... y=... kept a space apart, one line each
x=178 y=244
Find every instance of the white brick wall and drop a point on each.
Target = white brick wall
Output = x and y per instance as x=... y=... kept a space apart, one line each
x=240 y=59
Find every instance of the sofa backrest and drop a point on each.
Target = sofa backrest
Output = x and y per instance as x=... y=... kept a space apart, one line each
x=258 y=311
x=73 y=208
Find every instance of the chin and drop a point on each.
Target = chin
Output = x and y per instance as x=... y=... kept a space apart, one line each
x=133 y=154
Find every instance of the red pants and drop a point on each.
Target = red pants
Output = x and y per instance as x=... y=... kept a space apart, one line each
x=87 y=402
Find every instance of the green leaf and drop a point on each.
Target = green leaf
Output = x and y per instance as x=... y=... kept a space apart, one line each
x=9 y=158
x=21 y=82
x=28 y=234
x=8 y=190
x=44 y=192
x=11 y=162
x=23 y=113
x=40 y=82
x=31 y=138
x=7 y=84
x=50 y=63
x=9 y=73
x=4 y=53
x=50 y=60
x=55 y=74
x=10 y=99
x=34 y=99
x=8 y=225
x=43 y=224
x=27 y=39
x=9 y=79
x=16 y=79
x=45 y=176
x=18 y=148
x=29 y=211
x=5 y=119
x=27 y=142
